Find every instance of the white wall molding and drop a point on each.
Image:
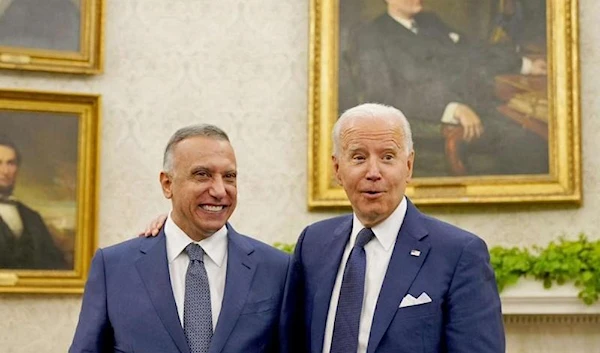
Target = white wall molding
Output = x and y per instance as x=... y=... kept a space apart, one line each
x=529 y=297
x=575 y=319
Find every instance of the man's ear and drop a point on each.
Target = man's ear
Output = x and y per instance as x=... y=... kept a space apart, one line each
x=336 y=169
x=166 y=183
x=410 y=163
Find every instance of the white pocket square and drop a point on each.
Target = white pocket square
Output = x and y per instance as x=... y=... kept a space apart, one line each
x=409 y=300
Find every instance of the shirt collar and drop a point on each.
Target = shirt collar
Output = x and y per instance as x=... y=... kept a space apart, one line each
x=385 y=232
x=215 y=246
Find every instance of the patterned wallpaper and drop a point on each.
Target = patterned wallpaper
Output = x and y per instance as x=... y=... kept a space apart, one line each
x=243 y=65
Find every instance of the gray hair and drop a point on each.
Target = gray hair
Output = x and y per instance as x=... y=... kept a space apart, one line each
x=203 y=130
x=370 y=111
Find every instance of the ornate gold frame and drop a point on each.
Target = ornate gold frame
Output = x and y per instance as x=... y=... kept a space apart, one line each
x=562 y=184
x=87 y=108
x=89 y=60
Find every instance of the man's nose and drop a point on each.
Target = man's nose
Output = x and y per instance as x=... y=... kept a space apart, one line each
x=373 y=171
x=217 y=189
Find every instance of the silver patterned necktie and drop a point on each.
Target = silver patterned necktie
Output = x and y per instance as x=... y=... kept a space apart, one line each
x=197 y=313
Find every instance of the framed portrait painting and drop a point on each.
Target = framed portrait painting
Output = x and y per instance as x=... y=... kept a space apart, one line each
x=48 y=190
x=490 y=89
x=52 y=35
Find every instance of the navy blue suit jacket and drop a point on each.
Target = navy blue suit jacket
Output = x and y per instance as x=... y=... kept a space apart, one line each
x=128 y=305
x=452 y=268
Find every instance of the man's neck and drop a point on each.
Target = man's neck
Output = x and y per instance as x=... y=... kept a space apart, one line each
x=194 y=234
x=400 y=15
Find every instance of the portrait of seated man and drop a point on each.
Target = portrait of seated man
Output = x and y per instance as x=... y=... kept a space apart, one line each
x=37 y=24
x=457 y=91
x=25 y=241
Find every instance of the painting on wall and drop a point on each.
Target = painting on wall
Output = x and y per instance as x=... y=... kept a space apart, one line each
x=48 y=190
x=490 y=88
x=51 y=35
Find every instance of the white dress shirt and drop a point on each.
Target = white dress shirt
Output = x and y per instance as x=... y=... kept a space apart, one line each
x=215 y=262
x=379 y=252
x=10 y=215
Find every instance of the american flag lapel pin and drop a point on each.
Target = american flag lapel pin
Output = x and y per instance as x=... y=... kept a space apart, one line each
x=415 y=252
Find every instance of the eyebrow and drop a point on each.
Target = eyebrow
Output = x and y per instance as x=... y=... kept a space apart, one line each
x=197 y=169
x=207 y=169
x=354 y=148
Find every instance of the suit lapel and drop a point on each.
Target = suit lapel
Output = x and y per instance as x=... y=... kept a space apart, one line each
x=241 y=267
x=154 y=271
x=331 y=259
x=402 y=270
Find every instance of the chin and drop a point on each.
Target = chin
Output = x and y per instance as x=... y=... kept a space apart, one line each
x=372 y=216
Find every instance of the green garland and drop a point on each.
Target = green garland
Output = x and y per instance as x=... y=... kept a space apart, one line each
x=565 y=260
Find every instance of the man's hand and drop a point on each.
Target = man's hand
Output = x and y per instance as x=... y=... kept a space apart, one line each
x=539 y=67
x=154 y=227
x=469 y=120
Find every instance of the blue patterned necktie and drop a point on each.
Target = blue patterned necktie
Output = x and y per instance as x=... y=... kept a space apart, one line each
x=197 y=313
x=347 y=316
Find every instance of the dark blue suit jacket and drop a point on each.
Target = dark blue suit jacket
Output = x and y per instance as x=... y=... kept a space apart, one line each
x=452 y=268
x=128 y=305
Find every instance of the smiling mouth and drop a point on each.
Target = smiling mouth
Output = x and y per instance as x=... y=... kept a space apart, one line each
x=212 y=208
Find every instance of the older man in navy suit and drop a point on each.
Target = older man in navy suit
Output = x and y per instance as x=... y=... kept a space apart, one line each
x=387 y=278
x=199 y=286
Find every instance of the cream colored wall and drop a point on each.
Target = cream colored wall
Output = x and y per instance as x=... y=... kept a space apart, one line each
x=242 y=64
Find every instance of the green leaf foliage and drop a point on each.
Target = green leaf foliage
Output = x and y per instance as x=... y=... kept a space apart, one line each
x=288 y=248
x=510 y=264
x=563 y=260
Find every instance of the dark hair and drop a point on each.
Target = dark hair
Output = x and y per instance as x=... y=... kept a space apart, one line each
x=6 y=141
x=205 y=130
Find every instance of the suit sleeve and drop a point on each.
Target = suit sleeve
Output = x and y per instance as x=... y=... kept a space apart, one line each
x=294 y=338
x=276 y=345
x=94 y=333
x=474 y=316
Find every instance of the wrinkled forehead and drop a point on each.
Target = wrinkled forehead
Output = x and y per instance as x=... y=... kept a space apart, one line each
x=384 y=132
x=371 y=125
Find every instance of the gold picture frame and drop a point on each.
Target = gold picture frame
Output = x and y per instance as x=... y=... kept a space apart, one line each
x=68 y=41
x=562 y=182
x=54 y=139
